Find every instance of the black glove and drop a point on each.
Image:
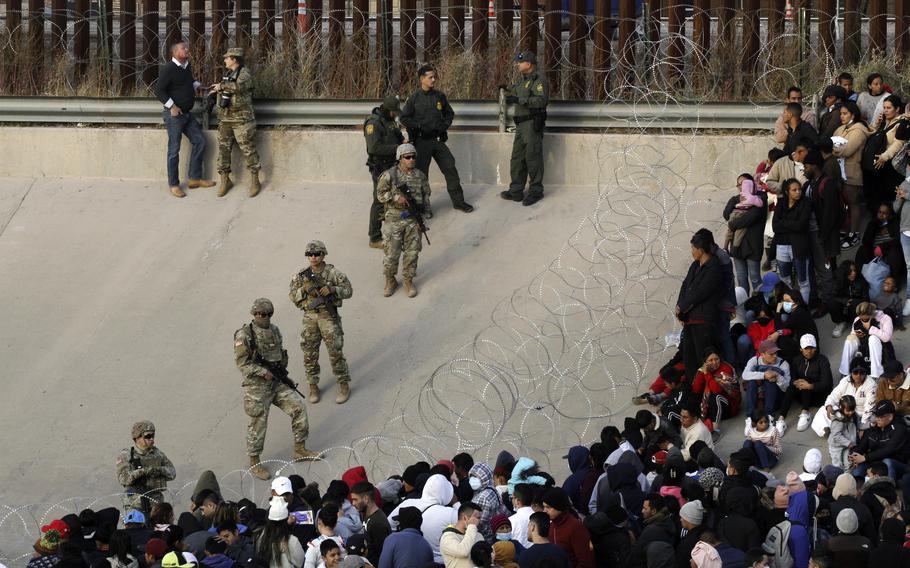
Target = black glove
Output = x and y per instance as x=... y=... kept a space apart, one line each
x=511 y=100
x=443 y=136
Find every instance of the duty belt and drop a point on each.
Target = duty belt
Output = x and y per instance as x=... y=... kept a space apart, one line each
x=520 y=119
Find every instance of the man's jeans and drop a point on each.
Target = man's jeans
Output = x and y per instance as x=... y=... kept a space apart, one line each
x=176 y=127
x=748 y=274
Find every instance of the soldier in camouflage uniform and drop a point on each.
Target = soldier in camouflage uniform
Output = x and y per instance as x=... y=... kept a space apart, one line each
x=530 y=97
x=428 y=115
x=382 y=136
x=257 y=346
x=318 y=290
x=143 y=470
x=401 y=236
x=236 y=121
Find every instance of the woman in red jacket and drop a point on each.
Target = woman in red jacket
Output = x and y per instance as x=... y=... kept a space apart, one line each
x=717 y=383
x=566 y=531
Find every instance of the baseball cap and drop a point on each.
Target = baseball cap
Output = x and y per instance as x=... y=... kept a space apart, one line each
x=155 y=546
x=282 y=486
x=860 y=366
x=133 y=516
x=807 y=340
x=526 y=56
x=883 y=407
x=768 y=346
x=768 y=282
x=173 y=560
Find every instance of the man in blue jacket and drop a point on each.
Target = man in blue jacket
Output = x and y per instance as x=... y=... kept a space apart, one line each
x=406 y=548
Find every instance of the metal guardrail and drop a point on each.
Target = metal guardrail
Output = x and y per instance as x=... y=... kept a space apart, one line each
x=479 y=115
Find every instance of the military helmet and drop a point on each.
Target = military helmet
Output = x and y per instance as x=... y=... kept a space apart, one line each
x=235 y=52
x=142 y=427
x=316 y=246
x=391 y=103
x=262 y=305
x=404 y=149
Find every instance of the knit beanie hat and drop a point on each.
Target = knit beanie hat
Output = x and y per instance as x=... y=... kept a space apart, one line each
x=499 y=520
x=794 y=483
x=51 y=536
x=693 y=511
x=557 y=498
x=616 y=515
x=710 y=478
x=845 y=485
x=847 y=523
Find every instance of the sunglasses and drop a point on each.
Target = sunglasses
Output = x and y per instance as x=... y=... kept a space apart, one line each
x=263 y=314
x=408 y=157
x=313 y=253
x=149 y=436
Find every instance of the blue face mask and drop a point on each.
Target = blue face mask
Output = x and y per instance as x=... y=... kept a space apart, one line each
x=503 y=536
x=788 y=307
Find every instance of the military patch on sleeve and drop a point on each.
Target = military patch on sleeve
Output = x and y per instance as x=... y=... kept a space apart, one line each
x=438 y=105
x=370 y=128
x=540 y=87
x=238 y=344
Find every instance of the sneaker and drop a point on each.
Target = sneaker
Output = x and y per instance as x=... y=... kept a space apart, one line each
x=805 y=419
x=906 y=310
x=781 y=426
x=838 y=330
x=748 y=426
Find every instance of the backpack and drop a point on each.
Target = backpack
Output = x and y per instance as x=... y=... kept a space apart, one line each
x=776 y=545
x=875 y=145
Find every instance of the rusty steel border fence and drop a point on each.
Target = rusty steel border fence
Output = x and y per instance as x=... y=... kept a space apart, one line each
x=590 y=49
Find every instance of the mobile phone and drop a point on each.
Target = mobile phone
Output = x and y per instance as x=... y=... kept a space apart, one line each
x=303 y=517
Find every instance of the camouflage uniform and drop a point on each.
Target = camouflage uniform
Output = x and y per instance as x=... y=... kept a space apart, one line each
x=400 y=235
x=318 y=323
x=237 y=122
x=260 y=393
x=143 y=473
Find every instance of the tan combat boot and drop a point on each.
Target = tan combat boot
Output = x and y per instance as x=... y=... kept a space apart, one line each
x=410 y=288
x=390 y=286
x=177 y=192
x=255 y=185
x=314 y=394
x=226 y=184
x=376 y=244
x=344 y=392
x=194 y=183
x=257 y=469
x=300 y=452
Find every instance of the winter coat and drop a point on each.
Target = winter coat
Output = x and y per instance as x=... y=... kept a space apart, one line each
x=856 y=134
x=406 y=549
x=849 y=550
x=612 y=544
x=685 y=546
x=753 y=220
x=658 y=528
x=791 y=226
x=867 y=526
x=817 y=371
x=900 y=395
x=738 y=527
x=874 y=490
x=824 y=193
x=569 y=534
x=804 y=133
x=698 y=295
x=580 y=466
x=891 y=441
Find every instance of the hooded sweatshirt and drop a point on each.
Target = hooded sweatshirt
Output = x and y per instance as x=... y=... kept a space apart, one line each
x=580 y=466
x=520 y=474
x=569 y=534
x=798 y=513
x=437 y=515
x=487 y=498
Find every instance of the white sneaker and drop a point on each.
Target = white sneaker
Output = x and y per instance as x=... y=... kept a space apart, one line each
x=906 y=310
x=781 y=426
x=805 y=419
x=748 y=426
x=838 y=330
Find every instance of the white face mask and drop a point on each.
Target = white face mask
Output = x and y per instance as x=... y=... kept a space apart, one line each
x=474 y=482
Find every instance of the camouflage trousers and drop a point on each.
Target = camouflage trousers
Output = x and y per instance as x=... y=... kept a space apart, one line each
x=258 y=400
x=400 y=239
x=243 y=133
x=319 y=327
x=141 y=501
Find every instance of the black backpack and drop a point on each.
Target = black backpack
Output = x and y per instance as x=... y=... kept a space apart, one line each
x=875 y=145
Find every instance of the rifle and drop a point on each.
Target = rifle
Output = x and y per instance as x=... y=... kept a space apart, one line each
x=317 y=282
x=279 y=373
x=414 y=210
x=208 y=103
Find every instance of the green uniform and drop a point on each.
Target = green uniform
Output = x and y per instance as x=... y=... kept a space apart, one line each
x=401 y=239
x=144 y=476
x=382 y=137
x=319 y=324
x=533 y=93
x=260 y=393
x=428 y=116
x=237 y=122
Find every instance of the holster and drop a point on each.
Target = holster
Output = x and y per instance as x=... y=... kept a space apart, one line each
x=540 y=120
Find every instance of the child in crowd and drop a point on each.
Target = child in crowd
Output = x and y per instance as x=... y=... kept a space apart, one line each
x=668 y=381
x=764 y=440
x=843 y=433
x=761 y=172
x=747 y=200
x=890 y=302
x=845 y=80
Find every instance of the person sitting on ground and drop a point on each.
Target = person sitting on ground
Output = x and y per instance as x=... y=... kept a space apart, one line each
x=716 y=382
x=890 y=551
x=882 y=238
x=757 y=331
x=857 y=384
x=541 y=548
x=886 y=441
x=668 y=379
x=763 y=439
x=891 y=302
x=655 y=428
x=846 y=497
x=879 y=491
x=850 y=290
x=770 y=373
x=871 y=337
x=792 y=321
x=847 y=548
x=458 y=539
x=810 y=382
x=894 y=385
x=693 y=430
